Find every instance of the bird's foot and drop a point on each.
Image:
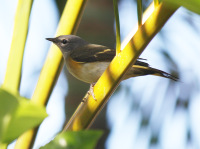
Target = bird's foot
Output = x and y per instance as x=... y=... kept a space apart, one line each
x=91 y=90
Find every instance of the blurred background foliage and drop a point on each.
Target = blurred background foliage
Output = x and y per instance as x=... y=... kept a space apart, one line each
x=144 y=112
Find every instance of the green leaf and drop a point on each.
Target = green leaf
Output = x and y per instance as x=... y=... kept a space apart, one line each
x=17 y=115
x=8 y=104
x=85 y=139
x=139 y=12
x=192 y=5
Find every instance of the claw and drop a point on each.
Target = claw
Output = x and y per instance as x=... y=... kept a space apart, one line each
x=91 y=90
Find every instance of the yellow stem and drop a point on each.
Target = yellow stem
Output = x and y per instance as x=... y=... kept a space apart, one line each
x=14 y=65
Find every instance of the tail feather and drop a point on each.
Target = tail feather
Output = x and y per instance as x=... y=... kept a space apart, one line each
x=161 y=73
x=137 y=70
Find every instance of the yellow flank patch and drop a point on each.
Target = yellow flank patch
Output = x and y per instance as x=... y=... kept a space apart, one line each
x=73 y=64
x=106 y=50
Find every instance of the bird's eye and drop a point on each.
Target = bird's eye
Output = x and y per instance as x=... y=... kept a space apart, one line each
x=64 y=41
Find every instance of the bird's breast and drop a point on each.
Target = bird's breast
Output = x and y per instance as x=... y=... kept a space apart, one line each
x=86 y=72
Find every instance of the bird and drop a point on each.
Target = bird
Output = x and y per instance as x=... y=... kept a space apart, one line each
x=87 y=62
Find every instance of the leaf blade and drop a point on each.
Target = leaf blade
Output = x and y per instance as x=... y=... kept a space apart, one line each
x=17 y=115
x=192 y=5
x=118 y=40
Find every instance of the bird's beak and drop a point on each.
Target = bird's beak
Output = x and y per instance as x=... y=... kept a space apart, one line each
x=51 y=39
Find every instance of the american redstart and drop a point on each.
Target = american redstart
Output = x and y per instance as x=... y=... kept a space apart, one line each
x=87 y=62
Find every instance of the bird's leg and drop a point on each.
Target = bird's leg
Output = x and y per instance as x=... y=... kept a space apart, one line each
x=91 y=90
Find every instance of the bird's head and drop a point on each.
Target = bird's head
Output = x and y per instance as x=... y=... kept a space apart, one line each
x=68 y=43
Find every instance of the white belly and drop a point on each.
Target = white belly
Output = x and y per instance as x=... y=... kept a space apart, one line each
x=88 y=72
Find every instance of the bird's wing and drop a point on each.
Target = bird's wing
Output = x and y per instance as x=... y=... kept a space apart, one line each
x=93 y=53
x=97 y=53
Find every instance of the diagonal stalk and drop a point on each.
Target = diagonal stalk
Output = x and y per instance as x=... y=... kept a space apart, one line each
x=105 y=86
x=53 y=65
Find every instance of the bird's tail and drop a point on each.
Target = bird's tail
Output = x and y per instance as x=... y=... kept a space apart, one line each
x=137 y=70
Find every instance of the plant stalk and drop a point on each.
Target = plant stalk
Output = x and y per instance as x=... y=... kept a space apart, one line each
x=14 y=66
